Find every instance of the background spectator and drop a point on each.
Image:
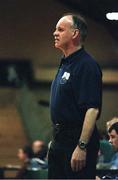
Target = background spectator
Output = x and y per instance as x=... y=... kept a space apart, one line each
x=106 y=149
x=40 y=154
x=25 y=154
x=39 y=149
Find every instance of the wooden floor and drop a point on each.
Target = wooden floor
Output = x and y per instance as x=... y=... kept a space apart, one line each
x=12 y=135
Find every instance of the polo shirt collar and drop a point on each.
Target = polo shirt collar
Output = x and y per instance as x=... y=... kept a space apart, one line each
x=69 y=58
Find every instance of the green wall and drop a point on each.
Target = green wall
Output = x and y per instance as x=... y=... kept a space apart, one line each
x=36 y=117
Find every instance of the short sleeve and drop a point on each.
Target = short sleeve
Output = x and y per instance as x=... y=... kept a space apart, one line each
x=87 y=86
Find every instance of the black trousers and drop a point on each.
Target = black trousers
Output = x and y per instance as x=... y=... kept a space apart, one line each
x=59 y=158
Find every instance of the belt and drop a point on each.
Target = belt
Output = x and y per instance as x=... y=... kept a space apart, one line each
x=66 y=134
x=66 y=126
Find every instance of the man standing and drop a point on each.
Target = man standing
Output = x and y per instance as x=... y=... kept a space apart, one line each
x=75 y=104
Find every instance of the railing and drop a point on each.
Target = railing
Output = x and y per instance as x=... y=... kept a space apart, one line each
x=10 y=172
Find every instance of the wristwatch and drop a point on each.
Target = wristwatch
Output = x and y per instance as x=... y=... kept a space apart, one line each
x=82 y=145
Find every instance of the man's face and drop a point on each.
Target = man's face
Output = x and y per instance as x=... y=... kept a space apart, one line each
x=113 y=139
x=64 y=33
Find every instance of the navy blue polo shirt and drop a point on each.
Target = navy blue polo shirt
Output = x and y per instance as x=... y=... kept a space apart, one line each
x=77 y=87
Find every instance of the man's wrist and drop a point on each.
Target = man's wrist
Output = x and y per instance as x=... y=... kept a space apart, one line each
x=82 y=144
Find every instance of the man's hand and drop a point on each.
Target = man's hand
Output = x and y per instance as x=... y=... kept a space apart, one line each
x=78 y=160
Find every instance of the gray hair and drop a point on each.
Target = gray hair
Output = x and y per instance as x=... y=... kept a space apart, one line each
x=80 y=24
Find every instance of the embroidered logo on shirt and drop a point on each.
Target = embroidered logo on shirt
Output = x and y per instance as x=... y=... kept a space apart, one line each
x=65 y=77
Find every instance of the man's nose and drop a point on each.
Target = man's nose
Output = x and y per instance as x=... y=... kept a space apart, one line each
x=110 y=141
x=55 y=33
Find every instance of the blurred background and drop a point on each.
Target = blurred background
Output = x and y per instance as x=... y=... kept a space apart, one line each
x=28 y=63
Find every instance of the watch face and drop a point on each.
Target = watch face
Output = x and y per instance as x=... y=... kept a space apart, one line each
x=82 y=144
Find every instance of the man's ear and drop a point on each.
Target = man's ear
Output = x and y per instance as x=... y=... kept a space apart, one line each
x=76 y=33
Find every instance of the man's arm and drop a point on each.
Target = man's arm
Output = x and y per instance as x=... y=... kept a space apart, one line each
x=78 y=159
x=89 y=124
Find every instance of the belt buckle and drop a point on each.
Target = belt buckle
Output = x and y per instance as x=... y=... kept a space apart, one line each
x=57 y=126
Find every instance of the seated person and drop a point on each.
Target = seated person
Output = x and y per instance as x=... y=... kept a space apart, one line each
x=113 y=139
x=25 y=154
x=39 y=149
x=40 y=153
x=110 y=122
x=106 y=149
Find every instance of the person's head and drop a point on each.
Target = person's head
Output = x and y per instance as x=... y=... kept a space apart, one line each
x=39 y=149
x=71 y=30
x=113 y=135
x=25 y=153
x=110 y=122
